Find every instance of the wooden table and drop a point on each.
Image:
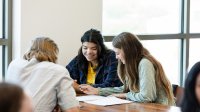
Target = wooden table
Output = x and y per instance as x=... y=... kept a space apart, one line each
x=131 y=107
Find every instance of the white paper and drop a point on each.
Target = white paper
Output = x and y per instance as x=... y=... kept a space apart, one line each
x=103 y=101
x=89 y=97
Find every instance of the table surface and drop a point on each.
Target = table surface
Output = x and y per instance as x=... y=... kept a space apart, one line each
x=130 y=107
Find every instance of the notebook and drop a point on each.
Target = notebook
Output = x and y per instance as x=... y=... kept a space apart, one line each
x=101 y=100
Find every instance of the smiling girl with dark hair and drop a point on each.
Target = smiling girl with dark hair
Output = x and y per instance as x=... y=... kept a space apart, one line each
x=95 y=64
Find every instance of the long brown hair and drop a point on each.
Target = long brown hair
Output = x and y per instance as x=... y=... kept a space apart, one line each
x=11 y=97
x=43 y=49
x=133 y=53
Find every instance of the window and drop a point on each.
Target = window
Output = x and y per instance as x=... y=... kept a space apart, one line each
x=141 y=16
x=194 y=52
x=169 y=58
x=168 y=28
x=1 y=18
x=195 y=16
x=1 y=35
x=1 y=71
x=5 y=36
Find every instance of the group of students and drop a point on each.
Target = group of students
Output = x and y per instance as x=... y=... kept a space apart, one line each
x=128 y=72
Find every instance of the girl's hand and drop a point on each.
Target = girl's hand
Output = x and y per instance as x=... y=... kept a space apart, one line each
x=76 y=87
x=87 y=89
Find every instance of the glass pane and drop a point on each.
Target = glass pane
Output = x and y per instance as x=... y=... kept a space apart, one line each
x=194 y=55
x=167 y=53
x=1 y=16
x=1 y=63
x=109 y=45
x=141 y=16
x=195 y=16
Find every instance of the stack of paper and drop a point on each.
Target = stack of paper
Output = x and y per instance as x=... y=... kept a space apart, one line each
x=103 y=101
x=89 y=98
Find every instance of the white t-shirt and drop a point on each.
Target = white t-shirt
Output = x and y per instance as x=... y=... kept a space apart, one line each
x=48 y=83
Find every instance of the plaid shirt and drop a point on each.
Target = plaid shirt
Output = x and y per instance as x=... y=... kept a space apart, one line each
x=106 y=73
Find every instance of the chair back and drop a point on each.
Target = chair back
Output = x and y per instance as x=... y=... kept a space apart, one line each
x=178 y=94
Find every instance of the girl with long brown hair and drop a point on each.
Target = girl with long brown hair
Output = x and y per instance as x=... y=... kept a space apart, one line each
x=142 y=75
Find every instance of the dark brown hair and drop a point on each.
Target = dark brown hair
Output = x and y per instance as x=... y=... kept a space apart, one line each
x=11 y=97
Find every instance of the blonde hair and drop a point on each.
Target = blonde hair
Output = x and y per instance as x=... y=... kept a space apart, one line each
x=43 y=49
x=128 y=72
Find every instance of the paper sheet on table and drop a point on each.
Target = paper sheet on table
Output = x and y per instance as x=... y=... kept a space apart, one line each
x=108 y=101
x=89 y=97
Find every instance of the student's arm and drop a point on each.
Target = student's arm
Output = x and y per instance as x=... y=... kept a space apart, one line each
x=112 y=79
x=87 y=89
x=65 y=92
x=76 y=86
x=147 y=85
x=110 y=90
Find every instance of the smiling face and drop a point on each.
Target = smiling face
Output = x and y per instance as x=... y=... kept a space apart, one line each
x=90 y=52
x=119 y=54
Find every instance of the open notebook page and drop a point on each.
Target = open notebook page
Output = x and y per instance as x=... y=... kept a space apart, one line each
x=89 y=97
x=101 y=100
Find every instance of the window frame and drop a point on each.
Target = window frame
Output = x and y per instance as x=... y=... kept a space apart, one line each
x=6 y=40
x=184 y=37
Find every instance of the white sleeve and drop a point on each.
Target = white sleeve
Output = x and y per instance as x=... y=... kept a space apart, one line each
x=66 y=93
x=12 y=73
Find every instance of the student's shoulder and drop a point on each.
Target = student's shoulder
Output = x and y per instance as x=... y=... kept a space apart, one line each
x=144 y=62
x=18 y=61
x=109 y=57
x=52 y=70
x=52 y=66
x=109 y=54
x=74 y=61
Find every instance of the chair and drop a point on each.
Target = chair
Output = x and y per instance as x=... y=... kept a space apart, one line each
x=178 y=94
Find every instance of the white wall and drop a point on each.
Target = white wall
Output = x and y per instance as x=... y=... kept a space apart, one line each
x=64 y=21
